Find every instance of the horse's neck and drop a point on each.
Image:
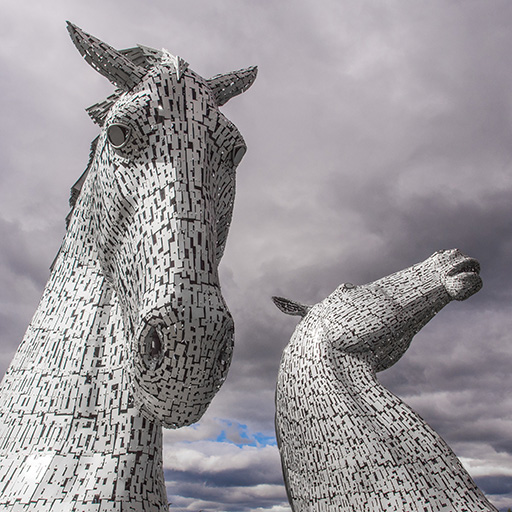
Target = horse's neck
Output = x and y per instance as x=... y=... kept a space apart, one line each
x=69 y=321
x=65 y=336
x=342 y=386
x=344 y=395
x=341 y=426
x=66 y=411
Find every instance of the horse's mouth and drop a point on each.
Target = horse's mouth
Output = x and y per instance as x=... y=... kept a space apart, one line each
x=466 y=266
x=463 y=279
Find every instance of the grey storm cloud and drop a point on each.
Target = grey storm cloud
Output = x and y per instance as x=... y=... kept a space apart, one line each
x=377 y=134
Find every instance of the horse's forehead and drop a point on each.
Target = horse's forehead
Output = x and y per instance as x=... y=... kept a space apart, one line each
x=345 y=300
x=179 y=64
x=161 y=91
x=168 y=74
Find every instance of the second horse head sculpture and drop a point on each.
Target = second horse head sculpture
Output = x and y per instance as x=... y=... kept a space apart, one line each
x=346 y=442
x=132 y=332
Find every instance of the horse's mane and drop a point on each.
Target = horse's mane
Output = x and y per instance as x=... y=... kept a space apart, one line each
x=143 y=56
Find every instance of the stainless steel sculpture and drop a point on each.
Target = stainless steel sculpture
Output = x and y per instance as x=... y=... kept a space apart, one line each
x=346 y=442
x=132 y=332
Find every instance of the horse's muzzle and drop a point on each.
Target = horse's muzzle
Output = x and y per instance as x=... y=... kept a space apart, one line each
x=182 y=356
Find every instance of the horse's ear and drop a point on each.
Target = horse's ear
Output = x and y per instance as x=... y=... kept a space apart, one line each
x=224 y=87
x=107 y=61
x=291 y=307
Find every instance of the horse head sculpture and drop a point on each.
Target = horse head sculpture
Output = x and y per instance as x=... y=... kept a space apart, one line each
x=132 y=332
x=346 y=442
x=161 y=186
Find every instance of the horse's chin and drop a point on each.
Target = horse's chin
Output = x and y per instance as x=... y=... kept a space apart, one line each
x=182 y=410
x=461 y=286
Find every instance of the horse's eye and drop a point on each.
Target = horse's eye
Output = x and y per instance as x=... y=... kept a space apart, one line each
x=118 y=135
x=238 y=154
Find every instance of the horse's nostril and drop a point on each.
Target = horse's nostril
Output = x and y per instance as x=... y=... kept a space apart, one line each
x=222 y=360
x=152 y=349
x=224 y=357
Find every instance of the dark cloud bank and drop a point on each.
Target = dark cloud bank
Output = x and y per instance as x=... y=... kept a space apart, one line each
x=377 y=134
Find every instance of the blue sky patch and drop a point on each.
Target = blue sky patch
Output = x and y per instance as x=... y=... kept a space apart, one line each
x=240 y=435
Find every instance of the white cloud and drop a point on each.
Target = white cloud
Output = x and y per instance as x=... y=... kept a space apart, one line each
x=209 y=457
x=222 y=476
x=493 y=464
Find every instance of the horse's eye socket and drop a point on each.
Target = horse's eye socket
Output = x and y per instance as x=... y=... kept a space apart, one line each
x=238 y=154
x=118 y=135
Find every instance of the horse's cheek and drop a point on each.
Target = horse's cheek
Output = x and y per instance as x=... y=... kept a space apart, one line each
x=111 y=216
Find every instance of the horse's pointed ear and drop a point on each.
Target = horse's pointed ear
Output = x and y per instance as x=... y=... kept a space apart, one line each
x=224 y=87
x=120 y=70
x=291 y=307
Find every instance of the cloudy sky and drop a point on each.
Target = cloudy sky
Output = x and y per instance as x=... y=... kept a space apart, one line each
x=378 y=133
